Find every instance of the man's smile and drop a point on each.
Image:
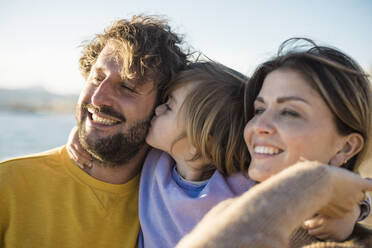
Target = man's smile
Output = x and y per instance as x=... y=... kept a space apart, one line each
x=103 y=119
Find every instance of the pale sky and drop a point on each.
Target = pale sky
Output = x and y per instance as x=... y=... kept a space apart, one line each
x=40 y=39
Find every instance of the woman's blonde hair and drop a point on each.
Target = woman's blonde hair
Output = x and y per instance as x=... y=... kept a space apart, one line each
x=213 y=113
x=337 y=78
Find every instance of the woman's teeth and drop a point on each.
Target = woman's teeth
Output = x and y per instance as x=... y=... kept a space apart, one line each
x=266 y=150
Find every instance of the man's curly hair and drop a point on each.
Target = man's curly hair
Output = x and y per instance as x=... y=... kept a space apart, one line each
x=145 y=45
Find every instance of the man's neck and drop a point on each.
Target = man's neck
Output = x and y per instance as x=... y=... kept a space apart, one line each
x=119 y=174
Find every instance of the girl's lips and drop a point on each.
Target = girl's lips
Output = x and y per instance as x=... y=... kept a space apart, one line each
x=152 y=120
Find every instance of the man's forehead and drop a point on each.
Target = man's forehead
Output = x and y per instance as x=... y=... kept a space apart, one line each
x=109 y=49
x=109 y=59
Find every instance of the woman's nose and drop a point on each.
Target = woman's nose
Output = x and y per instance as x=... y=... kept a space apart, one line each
x=263 y=124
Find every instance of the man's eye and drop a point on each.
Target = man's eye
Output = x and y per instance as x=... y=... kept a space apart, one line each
x=97 y=80
x=126 y=87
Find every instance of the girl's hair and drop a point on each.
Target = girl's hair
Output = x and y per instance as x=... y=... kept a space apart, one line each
x=213 y=113
x=337 y=78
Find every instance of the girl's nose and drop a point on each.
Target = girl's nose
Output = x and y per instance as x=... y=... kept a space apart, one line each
x=159 y=109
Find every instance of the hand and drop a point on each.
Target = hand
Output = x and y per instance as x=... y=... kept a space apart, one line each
x=347 y=191
x=325 y=228
x=77 y=152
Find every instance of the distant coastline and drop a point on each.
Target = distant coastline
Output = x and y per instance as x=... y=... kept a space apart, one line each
x=35 y=100
x=39 y=100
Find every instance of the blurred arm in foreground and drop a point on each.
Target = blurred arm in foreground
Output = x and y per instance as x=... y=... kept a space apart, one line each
x=266 y=215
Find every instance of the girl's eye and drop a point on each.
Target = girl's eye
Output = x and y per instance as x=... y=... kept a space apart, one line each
x=167 y=103
x=258 y=111
x=167 y=106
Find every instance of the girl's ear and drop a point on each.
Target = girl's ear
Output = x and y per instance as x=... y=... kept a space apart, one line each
x=352 y=145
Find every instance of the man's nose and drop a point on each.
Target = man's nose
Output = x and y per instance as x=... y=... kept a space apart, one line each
x=103 y=94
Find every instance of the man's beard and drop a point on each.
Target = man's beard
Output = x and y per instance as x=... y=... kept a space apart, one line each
x=117 y=149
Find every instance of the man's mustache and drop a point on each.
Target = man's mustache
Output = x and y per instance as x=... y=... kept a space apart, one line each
x=105 y=110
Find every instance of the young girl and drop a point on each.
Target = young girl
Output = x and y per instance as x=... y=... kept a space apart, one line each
x=199 y=131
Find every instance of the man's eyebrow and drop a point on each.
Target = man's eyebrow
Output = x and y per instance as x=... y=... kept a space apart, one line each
x=284 y=99
x=130 y=84
x=97 y=69
x=139 y=86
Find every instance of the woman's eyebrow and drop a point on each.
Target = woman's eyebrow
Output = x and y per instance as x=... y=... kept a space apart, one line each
x=284 y=99
x=291 y=98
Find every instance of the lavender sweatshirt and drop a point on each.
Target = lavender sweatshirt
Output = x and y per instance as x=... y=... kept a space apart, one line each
x=170 y=207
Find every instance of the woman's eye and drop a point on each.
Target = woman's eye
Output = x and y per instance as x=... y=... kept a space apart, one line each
x=290 y=113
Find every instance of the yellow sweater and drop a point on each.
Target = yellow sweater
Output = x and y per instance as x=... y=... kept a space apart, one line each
x=47 y=201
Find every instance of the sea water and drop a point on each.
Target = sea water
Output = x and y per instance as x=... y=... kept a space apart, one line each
x=23 y=133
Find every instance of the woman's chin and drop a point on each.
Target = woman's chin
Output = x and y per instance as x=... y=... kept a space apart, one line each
x=257 y=174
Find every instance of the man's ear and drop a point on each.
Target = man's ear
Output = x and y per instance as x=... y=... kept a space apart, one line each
x=352 y=145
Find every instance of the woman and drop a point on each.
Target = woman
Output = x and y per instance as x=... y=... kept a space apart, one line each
x=312 y=105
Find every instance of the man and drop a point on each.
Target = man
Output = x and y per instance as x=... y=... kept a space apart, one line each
x=48 y=201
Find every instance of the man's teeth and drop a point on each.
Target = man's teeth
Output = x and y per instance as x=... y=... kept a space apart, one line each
x=104 y=121
x=266 y=150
